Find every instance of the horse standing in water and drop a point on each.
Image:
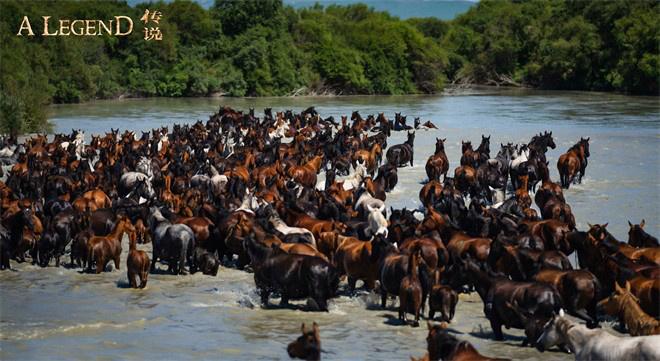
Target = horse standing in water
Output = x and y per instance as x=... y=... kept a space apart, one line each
x=596 y=344
x=404 y=152
x=573 y=163
x=438 y=165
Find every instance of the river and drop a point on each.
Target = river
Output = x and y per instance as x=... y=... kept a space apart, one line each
x=61 y=314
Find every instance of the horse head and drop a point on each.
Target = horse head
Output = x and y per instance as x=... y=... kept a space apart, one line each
x=308 y=345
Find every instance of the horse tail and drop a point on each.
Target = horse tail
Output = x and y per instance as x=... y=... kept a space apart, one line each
x=90 y=256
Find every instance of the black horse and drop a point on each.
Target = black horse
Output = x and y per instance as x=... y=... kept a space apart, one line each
x=404 y=152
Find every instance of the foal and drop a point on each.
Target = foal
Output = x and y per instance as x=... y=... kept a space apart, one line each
x=137 y=264
x=410 y=292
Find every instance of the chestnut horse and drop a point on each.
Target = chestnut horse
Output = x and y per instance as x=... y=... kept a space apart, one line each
x=137 y=264
x=573 y=163
x=410 y=291
x=625 y=306
x=102 y=249
x=306 y=174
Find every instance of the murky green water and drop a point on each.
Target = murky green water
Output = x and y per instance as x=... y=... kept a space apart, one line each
x=62 y=314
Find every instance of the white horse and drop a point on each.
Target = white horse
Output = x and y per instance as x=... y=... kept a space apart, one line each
x=366 y=201
x=519 y=156
x=355 y=180
x=377 y=223
x=597 y=344
x=279 y=132
x=286 y=230
x=144 y=166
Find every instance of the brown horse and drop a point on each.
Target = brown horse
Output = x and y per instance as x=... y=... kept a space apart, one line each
x=623 y=304
x=522 y=193
x=137 y=264
x=466 y=178
x=647 y=291
x=438 y=165
x=579 y=289
x=307 y=346
x=303 y=249
x=102 y=249
x=555 y=208
x=573 y=163
x=359 y=260
x=371 y=158
x=434 y=252
x=306 y=174
x=430 y=191
x=443 y=346
x=410 y=291
x=443 y=299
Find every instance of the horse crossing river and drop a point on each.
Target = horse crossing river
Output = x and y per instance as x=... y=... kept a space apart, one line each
x=59 y=313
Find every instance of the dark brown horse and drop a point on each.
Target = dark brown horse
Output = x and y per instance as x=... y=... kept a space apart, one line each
x=308 y=345
x=410 y=291
x=580 y=291
x=137 y=264
x=438 y=165
x=573 y=163
x=637 y=236
x=443 y=346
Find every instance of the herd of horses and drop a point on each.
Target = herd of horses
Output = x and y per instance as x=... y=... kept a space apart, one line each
x=243 y=191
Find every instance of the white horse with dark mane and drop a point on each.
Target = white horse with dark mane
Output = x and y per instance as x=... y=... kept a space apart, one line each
x=144 y=166
x=597 y=344
x=136 y=183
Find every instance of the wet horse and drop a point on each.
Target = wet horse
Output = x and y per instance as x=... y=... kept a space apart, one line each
x=625 y=306
x=573 y=163
x=438 y=165
x=402 y=154
x=596 y=344
x=637 y=236
x=308 y=345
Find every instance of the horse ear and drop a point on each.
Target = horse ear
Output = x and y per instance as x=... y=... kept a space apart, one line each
x=630 y=224
x=561 y=312
x=618 y=288
x=642 y=223
x=590 y=225
x=444 y=139
x=627 y=286
x=605 y=225
x=302 y=328
x=588 y=139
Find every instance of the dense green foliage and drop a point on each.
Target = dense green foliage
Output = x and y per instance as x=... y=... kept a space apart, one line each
x=260 y=48
x=569 y=44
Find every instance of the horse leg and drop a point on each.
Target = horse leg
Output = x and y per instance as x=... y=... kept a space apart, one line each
x=284 y=301
x=351 y=284
x=496 y=325
x=117 y=261
x=383 y=297
x=144 y=275
x=131 y=279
